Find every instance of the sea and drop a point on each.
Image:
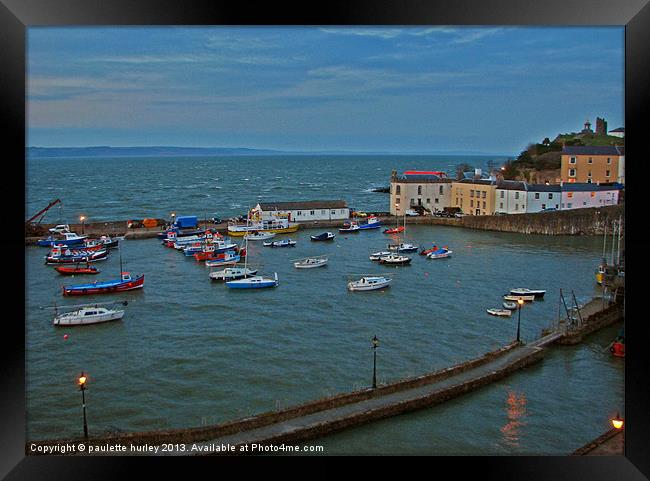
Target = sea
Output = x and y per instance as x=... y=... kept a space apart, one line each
x=190 y=352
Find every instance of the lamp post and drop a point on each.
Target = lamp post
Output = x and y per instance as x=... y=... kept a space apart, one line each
x=617 y=422
x=82 y=219
x=375 y=345
x=82 y=387
x=520 y=302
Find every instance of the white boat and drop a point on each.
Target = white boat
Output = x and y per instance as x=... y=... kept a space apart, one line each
x=228 y=258
x=395 y=259
x=440 y=254
x=402 y=247
x=281 y=243
x=516 y=298
x=369 y=283
x=274 y=226
x=88 y=315
x=510 y=305
x=255 y=282
x=350 y=227
x=310 y=262
x=522 y=291
x=259 y=236
x=232 y=273
x=378 y=255
x=500 y=312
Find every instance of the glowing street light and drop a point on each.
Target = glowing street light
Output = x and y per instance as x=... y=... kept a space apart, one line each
x=81 y=381
x=82 y=219
x=617 y=422
x=375 y=345
x=520 y=302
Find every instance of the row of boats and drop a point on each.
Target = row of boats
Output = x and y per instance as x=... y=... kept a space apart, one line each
x=512 y=300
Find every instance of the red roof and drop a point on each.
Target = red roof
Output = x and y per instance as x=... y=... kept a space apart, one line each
x=425 y=172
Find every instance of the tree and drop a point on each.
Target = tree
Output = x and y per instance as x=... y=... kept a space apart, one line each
x=510 y=170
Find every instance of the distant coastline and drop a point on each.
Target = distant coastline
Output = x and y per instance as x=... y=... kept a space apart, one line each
x=171 y=151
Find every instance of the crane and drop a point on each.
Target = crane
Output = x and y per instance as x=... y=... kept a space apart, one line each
x=43 y=211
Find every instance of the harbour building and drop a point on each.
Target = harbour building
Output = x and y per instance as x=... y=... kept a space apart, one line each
x=429 y=191
x=511 y=197
x=570 y=195
x=593 y=164
x=302 y=211
x=474 y=196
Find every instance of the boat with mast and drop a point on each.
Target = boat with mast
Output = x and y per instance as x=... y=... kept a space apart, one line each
x=124 y=283
x=86 y=314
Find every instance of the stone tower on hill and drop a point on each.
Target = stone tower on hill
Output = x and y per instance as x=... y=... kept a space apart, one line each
x=601 y=126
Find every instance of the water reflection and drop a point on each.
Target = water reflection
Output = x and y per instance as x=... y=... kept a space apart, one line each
x=516 y=412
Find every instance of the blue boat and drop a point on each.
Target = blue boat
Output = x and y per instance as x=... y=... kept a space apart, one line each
x=373 y=223
x=125 y=283
x=69 y=239
x=325 y=236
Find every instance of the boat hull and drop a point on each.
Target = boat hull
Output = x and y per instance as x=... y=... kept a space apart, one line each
x=114 y=316
x=537 y=293
x=283 y=230
x=70 y=271
x=94 y=257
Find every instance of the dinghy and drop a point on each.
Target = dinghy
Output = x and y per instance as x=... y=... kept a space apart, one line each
x=395 y=259
x=369 y=283
x=516 y=298
x=499 y=312
x=325 y=236
x=310 y=262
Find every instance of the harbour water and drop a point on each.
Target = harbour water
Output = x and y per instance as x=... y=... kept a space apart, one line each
x=191 y=352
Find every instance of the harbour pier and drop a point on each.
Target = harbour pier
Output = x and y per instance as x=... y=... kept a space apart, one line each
x=317 y=418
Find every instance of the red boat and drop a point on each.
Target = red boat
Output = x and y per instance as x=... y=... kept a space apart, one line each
x=425 y=252
x=67 y=271
x=394 y=230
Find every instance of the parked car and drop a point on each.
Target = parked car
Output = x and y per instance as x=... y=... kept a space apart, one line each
x=359 y=213
x=459 y=214
x=60 y=229
x=411 y=213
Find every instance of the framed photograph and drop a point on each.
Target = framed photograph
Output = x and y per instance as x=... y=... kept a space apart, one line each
x=387 y=229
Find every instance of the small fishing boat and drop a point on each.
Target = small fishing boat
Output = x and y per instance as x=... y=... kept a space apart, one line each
x=395 y=230
x=281 y=243
x=350 y=227
x=395 y=259
x=369 y=283
x=516 y=298
x=104 y=242
x=68 y=239
x=88 y=315
x=60 y=257
x=255 y=282
x=510 y=305
x=223 y=259
x=402 y=247
x=372 y=223
x=522 y=291
x=310 y=262
x=378 y=255
x=325 y=236
x=259 y=236
x=125 y=283
x=425 y=252
x=69 y=271
x=499 y=312
x=440 y=253
x=232 y=273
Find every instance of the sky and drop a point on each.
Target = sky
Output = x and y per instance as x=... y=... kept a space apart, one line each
x=360 y=89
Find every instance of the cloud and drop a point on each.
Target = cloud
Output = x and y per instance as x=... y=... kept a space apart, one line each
x=385 y=33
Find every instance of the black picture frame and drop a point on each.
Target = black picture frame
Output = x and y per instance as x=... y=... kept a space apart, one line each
x=17 y=15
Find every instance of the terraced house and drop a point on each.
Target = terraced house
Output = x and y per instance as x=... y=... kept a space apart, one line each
x=511 y=197
x=593 y=164
x=474 y=196
x=430 y=190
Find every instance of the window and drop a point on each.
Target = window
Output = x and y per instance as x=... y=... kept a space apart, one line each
x=607 y=173
x=609 y=160
x=436 y=200
x=589 y=180
x=311 y=212
x=428 y=201
x=484 y=204
x=484 y=192
x=516 y=195
x=299 y=212
x=441 y=191
x=516 y=206
x=471 y=193
x=572 y=160
x=569 y=195
x=572 y=172
x=593 y=194
x=591 y=160
x=502 y=192
x=322 y=212
x=333 y=212
x=397 y=200
x=589 y=174
x=419 y=190
x=471 y=203
x=536 y=195
x=501 y=205
x=550 y=196
x=543 y=206
x=569 y=205
x=584 y=203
